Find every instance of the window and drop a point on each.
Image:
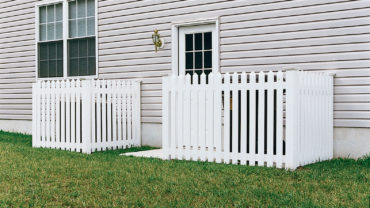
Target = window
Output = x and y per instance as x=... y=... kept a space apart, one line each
x=198 y=53
x=197 y=49
x=70 y=52
x=50 y=47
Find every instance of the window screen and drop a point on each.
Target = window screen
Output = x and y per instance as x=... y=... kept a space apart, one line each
x=50 y=47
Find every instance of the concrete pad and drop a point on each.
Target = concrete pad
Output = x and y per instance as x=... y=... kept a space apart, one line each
x=157 y=153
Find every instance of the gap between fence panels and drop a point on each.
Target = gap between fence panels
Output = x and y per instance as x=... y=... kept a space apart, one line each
x=86 y=116
x=275 y=119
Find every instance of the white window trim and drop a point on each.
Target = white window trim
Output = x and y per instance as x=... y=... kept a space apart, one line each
x=65 y=40
x=175 y=41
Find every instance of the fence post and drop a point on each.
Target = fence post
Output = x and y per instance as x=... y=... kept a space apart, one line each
x=165 y=122
x=331 y=116
x=86 y=115
x=35 y=113
x=137 y=106
x=291 y=119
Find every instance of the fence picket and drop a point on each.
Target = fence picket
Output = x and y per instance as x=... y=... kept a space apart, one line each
x=194 y=117
x=119 y=111
x=279 y=120
x=243 y=119
x=217 y=125
x=47 y=114
x=187 y=117
x=261 y=118
x=180 y=113
x=209 y=117
x=202 y=118
x=78 y=111
x=63 y=112
x=125 y=114
x=235 y=118
x=252 y=119
x=114 y=111
x=104 y=110
x=227 y=126
x=73 y=112
x=52 y=111
x=129 y=113
x=270 y=118
x=109 y=112
x=57 y=109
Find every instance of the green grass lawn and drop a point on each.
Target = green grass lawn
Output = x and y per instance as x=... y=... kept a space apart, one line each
x=54 y=178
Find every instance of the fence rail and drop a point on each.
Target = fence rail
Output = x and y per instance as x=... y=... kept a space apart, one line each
x=273 y=119
x=86 y=116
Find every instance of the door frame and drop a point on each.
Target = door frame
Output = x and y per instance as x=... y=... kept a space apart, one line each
x=175 y=42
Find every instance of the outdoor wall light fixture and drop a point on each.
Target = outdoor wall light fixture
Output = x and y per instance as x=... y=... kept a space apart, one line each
x=157 y=40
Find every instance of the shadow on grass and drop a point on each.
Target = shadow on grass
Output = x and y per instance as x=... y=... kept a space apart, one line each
x=26 y=140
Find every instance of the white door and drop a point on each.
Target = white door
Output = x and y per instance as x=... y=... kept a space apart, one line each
x=198 y=52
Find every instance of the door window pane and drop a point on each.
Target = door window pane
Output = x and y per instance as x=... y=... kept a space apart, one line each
x=198 y=41
x=189 y=60
x=207 y=41
x=189 y=42
x=208 y=59
x=198 y=60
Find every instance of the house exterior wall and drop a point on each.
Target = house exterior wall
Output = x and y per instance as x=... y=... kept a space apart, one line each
x=254 y=35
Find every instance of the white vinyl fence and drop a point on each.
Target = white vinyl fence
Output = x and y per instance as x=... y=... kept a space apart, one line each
x=267 y=119
x=86 y=116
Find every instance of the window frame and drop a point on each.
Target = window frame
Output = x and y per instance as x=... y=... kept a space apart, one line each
x=175 y=42
x=65 y=39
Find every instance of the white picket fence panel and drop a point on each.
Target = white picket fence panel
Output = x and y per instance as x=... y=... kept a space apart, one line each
x=266 y=119
x=86 y=116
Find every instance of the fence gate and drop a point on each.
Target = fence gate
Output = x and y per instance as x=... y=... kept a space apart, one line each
x=86 y=116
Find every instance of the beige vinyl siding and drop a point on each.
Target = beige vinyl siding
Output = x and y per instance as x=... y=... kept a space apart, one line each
x=254 y=35
x=17 y=59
